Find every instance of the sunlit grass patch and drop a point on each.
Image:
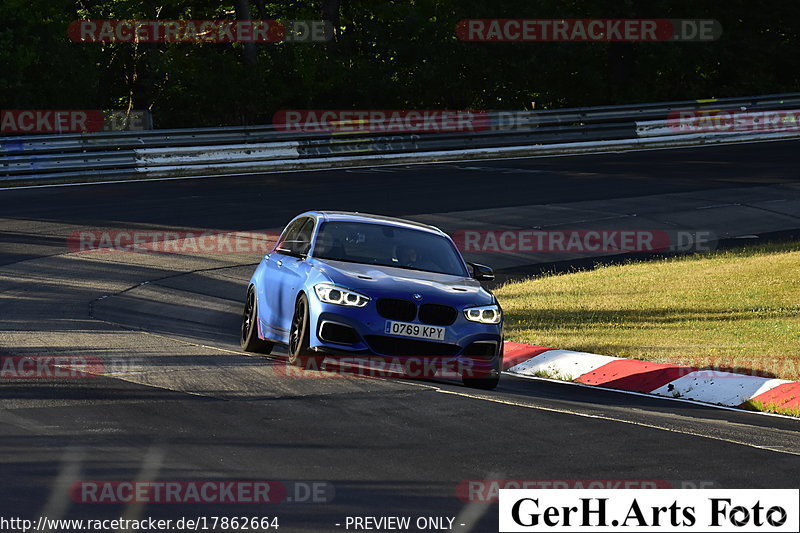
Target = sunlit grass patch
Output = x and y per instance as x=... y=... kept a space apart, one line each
x=731 y=309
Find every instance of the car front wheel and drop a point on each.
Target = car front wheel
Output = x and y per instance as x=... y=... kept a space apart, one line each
x=299 y=352
x=484 y=380
x=487 y=383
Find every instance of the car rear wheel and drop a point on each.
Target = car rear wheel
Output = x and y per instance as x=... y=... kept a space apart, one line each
x=299 y=352
x=249 y=339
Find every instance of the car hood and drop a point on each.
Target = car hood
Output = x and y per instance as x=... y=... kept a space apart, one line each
x=386 y=281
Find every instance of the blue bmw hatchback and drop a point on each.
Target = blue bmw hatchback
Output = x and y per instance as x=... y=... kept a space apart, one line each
x=349 y=284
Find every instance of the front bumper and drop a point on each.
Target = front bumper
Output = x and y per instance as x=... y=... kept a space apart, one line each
x=340 y=331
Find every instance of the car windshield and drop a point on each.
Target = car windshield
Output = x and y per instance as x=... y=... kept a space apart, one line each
x=381 y=244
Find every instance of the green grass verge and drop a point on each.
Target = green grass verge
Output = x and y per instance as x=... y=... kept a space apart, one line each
x=755 y=405
x=737 y=310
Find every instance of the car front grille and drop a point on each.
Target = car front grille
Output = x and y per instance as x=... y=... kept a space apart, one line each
x=385 y=345
x=397 y=309
x=406 y=310
x=438 y=315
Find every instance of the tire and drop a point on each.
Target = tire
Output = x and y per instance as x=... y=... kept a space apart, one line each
x=299 y=334
x=248 y=338
x=486 y=381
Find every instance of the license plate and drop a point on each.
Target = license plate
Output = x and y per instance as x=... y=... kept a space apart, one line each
x=418 y=331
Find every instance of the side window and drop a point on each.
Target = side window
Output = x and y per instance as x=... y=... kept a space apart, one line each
x=296 y=239
x=290 y=235
x=303 y=239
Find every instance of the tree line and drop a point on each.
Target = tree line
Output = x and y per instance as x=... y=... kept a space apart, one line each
x=385 y=54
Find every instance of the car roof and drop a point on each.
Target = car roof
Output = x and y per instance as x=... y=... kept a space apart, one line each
x=354 y=216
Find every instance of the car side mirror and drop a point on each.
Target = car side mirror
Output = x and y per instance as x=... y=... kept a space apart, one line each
x=292 y=250
x=283 y=250
x=482 y=272
x=293 y=253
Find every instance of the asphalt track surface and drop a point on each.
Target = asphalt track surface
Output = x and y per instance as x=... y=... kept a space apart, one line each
x=179 y=401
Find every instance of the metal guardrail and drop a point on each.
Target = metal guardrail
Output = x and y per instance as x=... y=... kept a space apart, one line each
x=210 y=151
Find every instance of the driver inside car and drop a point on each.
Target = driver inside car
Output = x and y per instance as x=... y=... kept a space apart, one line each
x=407 y=256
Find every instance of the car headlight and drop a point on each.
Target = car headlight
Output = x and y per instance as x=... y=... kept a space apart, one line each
x=485 y=314
x=331 y=294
